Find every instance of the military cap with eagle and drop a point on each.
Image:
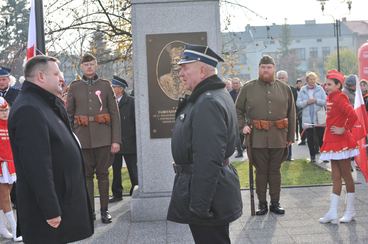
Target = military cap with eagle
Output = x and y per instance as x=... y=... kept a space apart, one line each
x=193 y=53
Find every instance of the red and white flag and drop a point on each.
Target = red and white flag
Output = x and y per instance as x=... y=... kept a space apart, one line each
x=31 y=45
x=360 y=130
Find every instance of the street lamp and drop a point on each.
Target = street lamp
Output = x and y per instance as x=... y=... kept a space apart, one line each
x=337 y=28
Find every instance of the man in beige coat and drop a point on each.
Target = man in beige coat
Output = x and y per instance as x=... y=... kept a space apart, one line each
x=93 y=110
x=266 y=112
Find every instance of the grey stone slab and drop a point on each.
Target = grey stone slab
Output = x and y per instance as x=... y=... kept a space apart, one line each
x=259 y=229
x=156 y=205
x=153 y=229
x=297 y=223
x=317 y=238
x=267 y=233
x=305 y=230
x=272 y=240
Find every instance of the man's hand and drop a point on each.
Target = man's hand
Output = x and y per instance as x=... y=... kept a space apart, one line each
x=337 y=130
x=311 y=101
x=115 y=147
x=55 y=222
x=289 y=143
x=246 y=130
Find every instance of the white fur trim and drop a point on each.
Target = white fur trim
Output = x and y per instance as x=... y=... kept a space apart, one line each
x=339 y=155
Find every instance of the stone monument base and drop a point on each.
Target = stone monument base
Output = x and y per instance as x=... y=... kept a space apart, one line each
x=149 y=206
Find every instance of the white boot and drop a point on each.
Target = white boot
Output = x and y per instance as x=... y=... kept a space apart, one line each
x=3 y=230
x=350 y=209
x=331 y=215
x=10 y=216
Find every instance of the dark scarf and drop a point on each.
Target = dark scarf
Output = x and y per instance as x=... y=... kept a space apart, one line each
x=211 y=83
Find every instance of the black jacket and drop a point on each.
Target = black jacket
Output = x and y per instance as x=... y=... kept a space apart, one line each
x=234 y=94
x=11 y=95
x=49 y=166
x=127 y=119
x=204 y=136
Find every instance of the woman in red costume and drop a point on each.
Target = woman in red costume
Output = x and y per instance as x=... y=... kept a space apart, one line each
x=7 y=174
x=339 y=146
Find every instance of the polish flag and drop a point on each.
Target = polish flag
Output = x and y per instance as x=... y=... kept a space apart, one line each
x=31 y=45
x=360 y=130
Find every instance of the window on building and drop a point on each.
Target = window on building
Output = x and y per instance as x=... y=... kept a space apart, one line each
x=313 y=52
x=325 y=51
x=300 y=53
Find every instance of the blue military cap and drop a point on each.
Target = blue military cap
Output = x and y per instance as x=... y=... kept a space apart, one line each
x=117 y=81
x=193 y=53
x=4 y=71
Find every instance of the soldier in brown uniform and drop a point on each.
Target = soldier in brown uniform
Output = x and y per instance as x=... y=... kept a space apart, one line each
x=93 y=109
x=266 y=111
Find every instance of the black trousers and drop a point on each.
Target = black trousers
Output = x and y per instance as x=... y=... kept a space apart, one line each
x=218 y=234
x=314 y=139
x=239 y=143
x=131 y=162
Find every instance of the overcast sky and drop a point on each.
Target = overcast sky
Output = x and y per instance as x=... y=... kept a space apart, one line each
x=266 y=12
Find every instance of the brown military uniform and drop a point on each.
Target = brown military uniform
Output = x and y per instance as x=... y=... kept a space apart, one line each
x=268 y=102
x=97 y=126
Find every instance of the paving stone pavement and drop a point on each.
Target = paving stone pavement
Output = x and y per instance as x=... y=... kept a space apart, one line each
x=303 y=205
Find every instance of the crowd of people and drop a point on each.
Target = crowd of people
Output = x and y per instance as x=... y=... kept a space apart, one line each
x=55 y=138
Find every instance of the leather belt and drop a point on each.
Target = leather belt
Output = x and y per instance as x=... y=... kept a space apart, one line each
x=187 y=168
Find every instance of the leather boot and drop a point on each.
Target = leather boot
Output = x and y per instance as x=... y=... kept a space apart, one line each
x=262 y=208
x=276 y=208
x=331 y=215
x=105 y=216
x=10 y=217
x=350 y=209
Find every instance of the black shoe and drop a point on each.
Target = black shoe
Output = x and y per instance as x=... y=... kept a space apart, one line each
x=239 y=155
x=276 y=208
x=106 y=217
x=94 y=216
x=313 y=159
x=290 y=159
x=302 y=143
x=115 y=199
x=262 y=209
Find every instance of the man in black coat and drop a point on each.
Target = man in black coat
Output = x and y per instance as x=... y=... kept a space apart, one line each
x=53 y=205
x=206 y=193
x=128 y=148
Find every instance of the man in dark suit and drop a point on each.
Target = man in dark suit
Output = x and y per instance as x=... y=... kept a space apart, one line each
x=128 y=137
x=53 y=205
